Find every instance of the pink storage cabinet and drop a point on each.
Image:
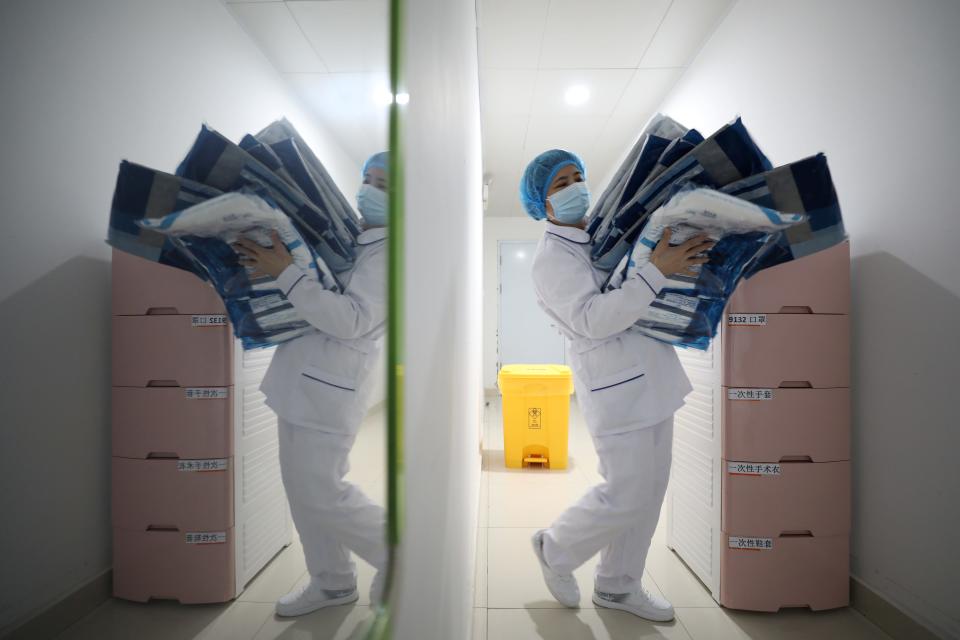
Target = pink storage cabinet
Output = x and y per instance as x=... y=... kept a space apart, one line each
x=161 y=564
x=186 y=396
x=796 y=571
x=817 y=284
x=154 y=493
x=788 y=350
x=774 y=389
x=785 y=424
x=172 y=422
x=805 y=497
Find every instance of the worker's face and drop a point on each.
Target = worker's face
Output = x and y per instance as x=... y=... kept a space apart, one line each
x=376 y=177
x=564 y=178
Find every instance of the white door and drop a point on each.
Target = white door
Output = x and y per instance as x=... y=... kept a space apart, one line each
x=526 y=334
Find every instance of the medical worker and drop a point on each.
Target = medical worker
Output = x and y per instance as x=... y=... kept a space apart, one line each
x=628 y=387
x=319 y=385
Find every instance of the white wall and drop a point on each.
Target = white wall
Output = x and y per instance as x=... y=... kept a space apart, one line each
x=443 y=408
x=84 y=85
x=496 y=229
x=874 y=85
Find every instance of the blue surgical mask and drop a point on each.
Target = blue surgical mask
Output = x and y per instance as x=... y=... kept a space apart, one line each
x=372 y=203
x=570 y=204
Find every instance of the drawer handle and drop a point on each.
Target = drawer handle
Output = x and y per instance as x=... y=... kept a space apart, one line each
x=163 y=383
x=804 y=533
x=162 y=455
x=162 y=528
x=796 y=459
x=787 y=309
x=796 y=384
x=162 y=311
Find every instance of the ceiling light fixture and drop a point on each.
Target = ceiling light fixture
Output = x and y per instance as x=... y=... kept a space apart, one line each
x=577 y=95
x=382 y=97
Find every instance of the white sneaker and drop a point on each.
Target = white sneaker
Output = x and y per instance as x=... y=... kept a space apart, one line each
x=311 y=597
x=563 y=586
x=640 y=603
x=376 y=587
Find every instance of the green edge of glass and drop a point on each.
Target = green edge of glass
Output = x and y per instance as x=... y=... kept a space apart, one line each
x=381 y=628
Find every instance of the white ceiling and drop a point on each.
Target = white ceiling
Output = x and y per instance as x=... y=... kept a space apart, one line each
x=333 y=53
x=629 y=53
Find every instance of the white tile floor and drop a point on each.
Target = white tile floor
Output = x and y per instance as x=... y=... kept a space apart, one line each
x=512 y=603
x=251 y=617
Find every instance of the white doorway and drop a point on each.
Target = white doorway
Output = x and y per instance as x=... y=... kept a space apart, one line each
x=526 y=335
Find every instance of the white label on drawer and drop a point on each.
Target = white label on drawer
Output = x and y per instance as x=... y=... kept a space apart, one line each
x=747 y=319
x=751 y=544
x=209 y=320
x=753 y=468
x=749 y=394
x=205 y=393
x=207 y=537
x=212 y=464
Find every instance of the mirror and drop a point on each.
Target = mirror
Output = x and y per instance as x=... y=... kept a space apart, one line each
x=332 y=429
x=282 y=346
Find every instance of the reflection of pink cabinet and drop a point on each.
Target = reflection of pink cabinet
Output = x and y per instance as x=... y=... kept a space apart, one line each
x=163 y=564
x=759 y=505
x=190 y=430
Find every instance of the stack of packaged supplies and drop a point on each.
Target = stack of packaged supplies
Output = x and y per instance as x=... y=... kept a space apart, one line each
x=270 y=182
x=722 y=186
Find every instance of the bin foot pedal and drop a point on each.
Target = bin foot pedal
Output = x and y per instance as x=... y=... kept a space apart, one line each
x=538 y=460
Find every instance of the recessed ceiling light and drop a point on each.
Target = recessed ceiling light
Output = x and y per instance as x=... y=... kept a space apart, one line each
x=382 y=97
x=577 y=95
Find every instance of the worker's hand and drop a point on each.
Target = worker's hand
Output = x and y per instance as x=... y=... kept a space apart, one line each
x=683 y=257
x=269 y=261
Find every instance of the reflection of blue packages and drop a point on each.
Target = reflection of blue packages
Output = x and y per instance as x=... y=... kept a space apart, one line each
x=729 y=155
x=309 y=173
x=801 y=187
x=217 y=162
x=260 y=315
x=143 y=193
x=265 y=319
x=286 y=158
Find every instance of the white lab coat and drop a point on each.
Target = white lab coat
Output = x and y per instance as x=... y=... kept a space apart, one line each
x=322 y=380
x=623 y=379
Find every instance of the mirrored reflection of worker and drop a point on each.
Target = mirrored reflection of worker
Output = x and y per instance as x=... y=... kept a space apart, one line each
x=319 y=385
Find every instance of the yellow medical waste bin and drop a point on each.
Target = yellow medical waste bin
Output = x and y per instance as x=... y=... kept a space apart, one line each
x=536 y=412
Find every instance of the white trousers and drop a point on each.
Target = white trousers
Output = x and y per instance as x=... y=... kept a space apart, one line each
x=618 y=517
x=332 y=516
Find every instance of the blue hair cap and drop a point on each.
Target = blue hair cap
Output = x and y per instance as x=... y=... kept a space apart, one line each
x=377 y=161
x=537 y=178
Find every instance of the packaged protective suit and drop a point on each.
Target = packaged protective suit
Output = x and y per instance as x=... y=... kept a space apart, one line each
x=688 y=310
x=759 y=216
x=728 y=155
